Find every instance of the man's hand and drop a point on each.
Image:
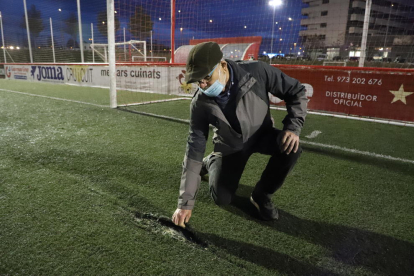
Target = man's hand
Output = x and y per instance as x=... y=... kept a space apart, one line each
x=288 y=142
x=181 y=216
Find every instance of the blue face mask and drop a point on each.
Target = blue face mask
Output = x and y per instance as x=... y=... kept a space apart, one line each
x=215 y=89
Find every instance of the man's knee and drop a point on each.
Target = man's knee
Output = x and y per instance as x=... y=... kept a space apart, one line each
x=222 y=197
x=295 y=155
x=222 y=200
x=283 y=161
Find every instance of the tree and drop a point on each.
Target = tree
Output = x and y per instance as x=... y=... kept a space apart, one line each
x=36 y=25
x=140 y=23
x=71 y=26
x=72 y=43
x=103 y=25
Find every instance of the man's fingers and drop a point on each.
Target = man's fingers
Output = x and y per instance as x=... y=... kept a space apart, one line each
x=174 y=219
x=284 y=138
x=296 y=146
x=291 y=146
x=181 y=222
x=287 y=144
x=187 y=219
x=180 y=217
x=282 y=141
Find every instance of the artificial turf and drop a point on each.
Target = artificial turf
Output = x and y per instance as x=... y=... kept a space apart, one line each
x=73 y=178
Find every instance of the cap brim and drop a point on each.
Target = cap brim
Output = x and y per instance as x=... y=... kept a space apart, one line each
x=195 y=77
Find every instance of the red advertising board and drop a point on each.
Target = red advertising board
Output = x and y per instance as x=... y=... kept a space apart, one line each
x=369 y=92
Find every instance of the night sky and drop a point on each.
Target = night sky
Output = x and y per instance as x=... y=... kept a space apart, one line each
x=198 y=19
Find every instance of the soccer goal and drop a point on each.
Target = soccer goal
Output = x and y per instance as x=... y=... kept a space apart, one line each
x=124 y=51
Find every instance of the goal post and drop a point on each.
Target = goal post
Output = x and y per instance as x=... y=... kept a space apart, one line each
x=111 y=48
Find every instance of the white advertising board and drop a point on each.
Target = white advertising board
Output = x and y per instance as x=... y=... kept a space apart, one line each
x=153 y=79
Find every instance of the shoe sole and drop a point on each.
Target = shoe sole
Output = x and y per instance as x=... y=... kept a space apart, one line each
x=258 y=209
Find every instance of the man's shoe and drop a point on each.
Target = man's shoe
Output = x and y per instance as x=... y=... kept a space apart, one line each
x=264 y=205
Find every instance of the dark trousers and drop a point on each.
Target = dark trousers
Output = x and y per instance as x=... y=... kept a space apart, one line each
x=225 y=171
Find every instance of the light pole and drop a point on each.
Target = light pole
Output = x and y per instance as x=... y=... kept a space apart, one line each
x=386 y=32
x=273 y=3
x=291 y=26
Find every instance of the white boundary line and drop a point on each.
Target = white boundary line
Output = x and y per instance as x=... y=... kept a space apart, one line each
x=156 y=101
x=408 y=124
x=366 y=153
x=53 y=98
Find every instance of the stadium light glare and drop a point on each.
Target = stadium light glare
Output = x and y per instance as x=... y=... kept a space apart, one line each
x=275 y=3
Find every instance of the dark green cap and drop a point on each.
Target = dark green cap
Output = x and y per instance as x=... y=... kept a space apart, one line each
x=201 y=61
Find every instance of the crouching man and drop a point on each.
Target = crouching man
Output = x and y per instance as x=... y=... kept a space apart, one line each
x=233 y=97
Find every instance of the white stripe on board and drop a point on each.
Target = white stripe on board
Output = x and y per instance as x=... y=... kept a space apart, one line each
x=53 y=98
x=367 y=153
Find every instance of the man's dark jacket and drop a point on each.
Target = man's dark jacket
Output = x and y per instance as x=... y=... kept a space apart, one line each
x=255 y=79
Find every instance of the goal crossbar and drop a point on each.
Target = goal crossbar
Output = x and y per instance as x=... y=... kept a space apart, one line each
x=132 y=43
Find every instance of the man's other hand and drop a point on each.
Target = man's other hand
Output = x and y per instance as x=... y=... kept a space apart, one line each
x=181 y=216
x=288 y=142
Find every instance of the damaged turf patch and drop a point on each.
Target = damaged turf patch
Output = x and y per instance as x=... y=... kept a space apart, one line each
x=164 y=226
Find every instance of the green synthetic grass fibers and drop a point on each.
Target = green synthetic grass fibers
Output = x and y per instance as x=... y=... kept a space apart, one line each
x=76 y=181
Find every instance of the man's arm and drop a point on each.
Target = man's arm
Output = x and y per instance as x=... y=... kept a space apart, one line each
x=190 y=178
x=293 y=93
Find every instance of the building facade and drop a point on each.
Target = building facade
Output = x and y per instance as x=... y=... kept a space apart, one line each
x=335 y=27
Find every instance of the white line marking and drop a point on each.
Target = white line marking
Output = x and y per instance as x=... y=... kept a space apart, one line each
x=53 y=98
x=155 y=101
x=367 y=153
x=390 y=122
x=314 y=134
